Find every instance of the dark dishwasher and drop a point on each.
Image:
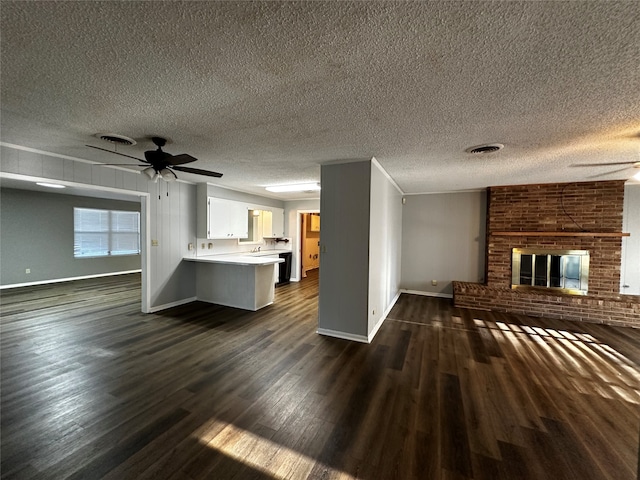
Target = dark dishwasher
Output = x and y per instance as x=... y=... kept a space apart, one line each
x=284 y=275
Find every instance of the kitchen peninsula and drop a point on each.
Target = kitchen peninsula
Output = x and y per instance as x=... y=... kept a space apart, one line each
x=240 y=281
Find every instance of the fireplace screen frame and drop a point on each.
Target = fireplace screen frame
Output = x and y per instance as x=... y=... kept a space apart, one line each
x=541 y=270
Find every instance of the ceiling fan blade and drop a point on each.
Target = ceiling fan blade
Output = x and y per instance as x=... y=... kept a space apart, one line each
x=605 y=164
x=121 y=165
x=197 y=171
x=117 y=153
x=608 y=173
x=181 y=159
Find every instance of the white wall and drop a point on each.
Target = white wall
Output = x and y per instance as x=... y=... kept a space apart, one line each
x=443 y=239
x=170 y=220
x=630 y=271
x=173 y=225
x=385 y=246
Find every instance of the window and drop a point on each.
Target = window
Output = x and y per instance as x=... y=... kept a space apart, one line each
x=100 y=233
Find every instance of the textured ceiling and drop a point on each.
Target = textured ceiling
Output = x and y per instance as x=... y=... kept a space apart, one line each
x=266 y=92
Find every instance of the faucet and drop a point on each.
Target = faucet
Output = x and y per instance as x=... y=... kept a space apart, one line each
x=258 y=248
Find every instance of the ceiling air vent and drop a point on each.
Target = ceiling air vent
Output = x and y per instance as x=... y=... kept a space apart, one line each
x=115 y=138
x=488 y=148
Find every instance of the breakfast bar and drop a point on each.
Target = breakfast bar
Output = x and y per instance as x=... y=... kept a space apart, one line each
x=240 y=281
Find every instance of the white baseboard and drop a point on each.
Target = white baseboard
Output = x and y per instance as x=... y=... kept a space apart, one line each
x=177 y=303
x=427 y=294
x=384 y=316
x=376 y=328
x=342 y=335
x=361 y=338
x=69 y=279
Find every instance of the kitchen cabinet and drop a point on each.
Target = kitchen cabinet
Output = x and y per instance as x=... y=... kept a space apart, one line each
x=267 y=223
x=236 y=281
x=314 y=223
x=273 y=223
x=278 y=222
x=226 y=219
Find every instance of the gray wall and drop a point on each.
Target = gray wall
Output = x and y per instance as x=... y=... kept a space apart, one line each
x=36 y=232
x=443 y=239
x=344 y=251
x=385 y=246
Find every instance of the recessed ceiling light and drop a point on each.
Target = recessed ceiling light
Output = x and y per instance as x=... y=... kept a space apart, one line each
x=486 y=148
x=50 y=185
x=300 y=187
x=116 y=138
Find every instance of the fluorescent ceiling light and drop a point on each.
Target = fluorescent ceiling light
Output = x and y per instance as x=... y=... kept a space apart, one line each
x=300 y=187
x=50 y=185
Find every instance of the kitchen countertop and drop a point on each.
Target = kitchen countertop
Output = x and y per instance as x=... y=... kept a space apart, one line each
x=248 y=258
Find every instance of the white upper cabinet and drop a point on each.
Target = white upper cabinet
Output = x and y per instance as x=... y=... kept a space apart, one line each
x=273 y=223
x=267 y=223
x=277 y=223
x=219 y=218
x=226 y=219
x=314 y=224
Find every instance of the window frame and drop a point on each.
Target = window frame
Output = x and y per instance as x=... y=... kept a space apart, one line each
x=111 y=232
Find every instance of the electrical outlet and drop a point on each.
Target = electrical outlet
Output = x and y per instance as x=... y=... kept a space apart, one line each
x=190 y=246
x=27 y=270
x=154 y=243
x=434 y=282
x=210 y=246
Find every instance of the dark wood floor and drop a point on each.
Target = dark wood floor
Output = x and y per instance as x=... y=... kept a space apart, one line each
x=92 y=388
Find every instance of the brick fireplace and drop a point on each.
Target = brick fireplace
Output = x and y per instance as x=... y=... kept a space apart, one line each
x=575 y=216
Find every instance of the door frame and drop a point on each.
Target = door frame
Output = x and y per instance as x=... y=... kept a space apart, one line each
x=298 y=243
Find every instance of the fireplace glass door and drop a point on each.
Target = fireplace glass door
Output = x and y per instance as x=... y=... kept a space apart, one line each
x=563 y=270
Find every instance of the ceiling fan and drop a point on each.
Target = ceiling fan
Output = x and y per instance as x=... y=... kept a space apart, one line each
x=630 y=164
x=161 y=164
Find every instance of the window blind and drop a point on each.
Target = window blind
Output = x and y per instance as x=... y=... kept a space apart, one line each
x=99 y=233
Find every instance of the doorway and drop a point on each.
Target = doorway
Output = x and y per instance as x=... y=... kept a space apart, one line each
x=309 y=242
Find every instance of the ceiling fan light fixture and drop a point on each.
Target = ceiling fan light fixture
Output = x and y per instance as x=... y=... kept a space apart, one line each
x=300 y=187
x=151 y=173
x=168 y=175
